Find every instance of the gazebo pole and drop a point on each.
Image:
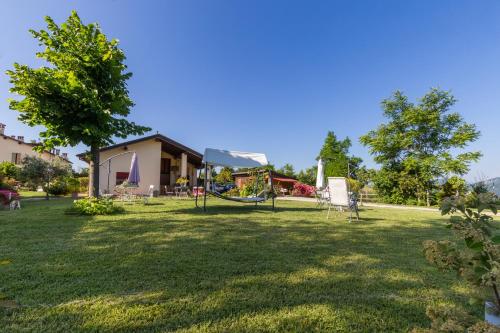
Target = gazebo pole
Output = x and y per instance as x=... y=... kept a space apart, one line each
x=205 y=188
x=349 y=191
x=272 y=187
x=197 y=189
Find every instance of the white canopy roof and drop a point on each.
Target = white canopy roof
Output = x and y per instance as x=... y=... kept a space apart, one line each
x=234 y=159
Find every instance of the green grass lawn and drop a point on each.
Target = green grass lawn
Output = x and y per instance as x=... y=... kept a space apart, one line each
x=31 y=194
x=169 y=267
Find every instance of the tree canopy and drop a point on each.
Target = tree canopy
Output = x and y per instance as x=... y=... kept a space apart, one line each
x=224 y=176
x=335 y=155
x=287 y=170
x=81 y=95
x=38 y=172
x=417 y=144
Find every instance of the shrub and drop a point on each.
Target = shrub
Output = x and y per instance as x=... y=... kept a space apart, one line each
x=450 y=320
x=57 y=187
x=234 y=192
x=84 y=183
x=94 y=206
x=253 y=186
x=303 y=190
x=8 y=184
x=475 y=255
x=9 y=170
x=73 y=184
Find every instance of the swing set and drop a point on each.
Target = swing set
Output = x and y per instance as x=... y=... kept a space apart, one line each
x=236 y=159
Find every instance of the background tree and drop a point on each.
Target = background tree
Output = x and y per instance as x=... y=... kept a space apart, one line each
x=308 y=176
x=224 y=176
x=287 y=170
x=335 y=155
x=82 y=95
x=453 y=186
x=415 y=146
x=37 y=172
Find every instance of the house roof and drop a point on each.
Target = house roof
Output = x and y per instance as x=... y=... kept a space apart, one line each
x=21 y=142
x=167 y=145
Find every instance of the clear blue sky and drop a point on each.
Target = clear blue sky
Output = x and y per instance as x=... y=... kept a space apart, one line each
x=275 y=76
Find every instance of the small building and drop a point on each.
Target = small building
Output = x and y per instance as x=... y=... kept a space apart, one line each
x=283 y=183
x=161 y=162
x=14 y=149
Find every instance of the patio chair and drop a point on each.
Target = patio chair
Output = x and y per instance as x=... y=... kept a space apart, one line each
x=340 y=197
x=169 y=191
x=15 y=203
x=322 y=197
x=149 y=194
x=183 y=192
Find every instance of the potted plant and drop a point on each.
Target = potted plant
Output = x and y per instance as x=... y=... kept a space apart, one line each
x=478 y=262
x=182 y=181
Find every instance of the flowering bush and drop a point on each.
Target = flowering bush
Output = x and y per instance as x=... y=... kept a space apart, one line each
x=7 y=196
x=182 y=181
x=303 y=190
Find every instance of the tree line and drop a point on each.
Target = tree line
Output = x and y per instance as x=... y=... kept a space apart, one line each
x=420 y=150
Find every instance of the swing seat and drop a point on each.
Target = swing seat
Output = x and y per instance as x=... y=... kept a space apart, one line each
x=234 y=159
x=256 y=199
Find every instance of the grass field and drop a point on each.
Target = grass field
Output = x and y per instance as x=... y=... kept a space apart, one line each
x=169 y=267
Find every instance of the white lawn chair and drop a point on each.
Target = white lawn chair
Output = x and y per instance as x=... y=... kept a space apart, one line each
x=149 y=194
x=340 y=197
x=322 y=197
x=14 y=204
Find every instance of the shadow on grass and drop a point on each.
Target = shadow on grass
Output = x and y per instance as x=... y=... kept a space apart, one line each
x=185 y=269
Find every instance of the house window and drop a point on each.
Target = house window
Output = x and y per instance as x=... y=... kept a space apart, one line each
x=121 y=177
x=16 y=158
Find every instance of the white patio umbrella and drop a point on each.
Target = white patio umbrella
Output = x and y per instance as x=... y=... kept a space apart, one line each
x=320 y=177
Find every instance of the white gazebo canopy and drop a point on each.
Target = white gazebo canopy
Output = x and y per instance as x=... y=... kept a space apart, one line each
x=234 y=159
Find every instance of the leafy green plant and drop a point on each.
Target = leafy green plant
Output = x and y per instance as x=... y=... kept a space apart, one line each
x=254 y=185
x=234 y=192
x=57 y=187
x=478 y=262
x=451 y=320
x=73 y=184
x=84 y=183
x=9 y=170
x=94 y=206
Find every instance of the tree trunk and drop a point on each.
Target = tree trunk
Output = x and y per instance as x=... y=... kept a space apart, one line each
x=427 y=194
x=94 y=188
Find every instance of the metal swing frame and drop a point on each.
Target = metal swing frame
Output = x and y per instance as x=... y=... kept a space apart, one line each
x=207 y=190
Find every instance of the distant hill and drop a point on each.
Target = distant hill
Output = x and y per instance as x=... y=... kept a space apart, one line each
x=494 y=185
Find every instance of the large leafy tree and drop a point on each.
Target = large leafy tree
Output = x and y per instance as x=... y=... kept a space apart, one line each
x=416 y=146
x=81 y=96
x=335 y=155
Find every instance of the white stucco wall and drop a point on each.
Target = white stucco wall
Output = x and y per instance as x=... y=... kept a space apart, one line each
x=148 y=153
x=9 y=146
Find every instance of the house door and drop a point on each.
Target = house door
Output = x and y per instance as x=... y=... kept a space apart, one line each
x=164 y=174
